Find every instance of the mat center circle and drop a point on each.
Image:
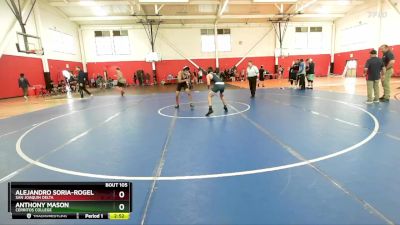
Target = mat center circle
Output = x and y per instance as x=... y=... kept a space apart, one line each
x=200 y=109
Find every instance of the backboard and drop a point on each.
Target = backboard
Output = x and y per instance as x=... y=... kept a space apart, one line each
x=282 y=52
x=29 y=44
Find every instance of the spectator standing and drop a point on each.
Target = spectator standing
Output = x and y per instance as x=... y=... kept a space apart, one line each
x=280 y=72
x=23 y=83
x=388 y=61
x=301 y=74
x=261 y=73
x=373 y=69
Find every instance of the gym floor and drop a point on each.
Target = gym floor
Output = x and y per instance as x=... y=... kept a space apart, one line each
x=286 y=157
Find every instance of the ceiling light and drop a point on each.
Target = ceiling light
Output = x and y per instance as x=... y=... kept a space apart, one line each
x=306 y=6
x=87 y=2
x=324 y=10
x=99 y=11
x=344 y=2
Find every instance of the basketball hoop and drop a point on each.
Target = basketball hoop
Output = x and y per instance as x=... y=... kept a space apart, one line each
x=35 y=51
x=38 y=51
x=280 y=27
x=282 y=52
x=151 y=27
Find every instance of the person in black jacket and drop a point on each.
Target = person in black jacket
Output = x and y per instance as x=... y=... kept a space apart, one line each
x=261 y=74
x=82 y=82
x=23 y=83
x=310 y=71
x=373 y=69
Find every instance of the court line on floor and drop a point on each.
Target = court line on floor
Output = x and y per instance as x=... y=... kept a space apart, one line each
x=159 y=168
x=80 y=110
x=346 y=122
x=32 y=125
x=397 y=96
x=202 y=117
x=393 y=137
x=13 y=174
x=16 y=131
x=204 y=176
x=315 y=113
x=336 y=183
x=326 y=116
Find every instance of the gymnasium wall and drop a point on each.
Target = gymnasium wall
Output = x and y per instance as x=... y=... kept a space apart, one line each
x=322 y=63
x=172 y=43
x=175 y=43
x=10 y=68
x=166 y=67
x=319 y=52
x=12 y=63
x=299 y=48
x=367 y=27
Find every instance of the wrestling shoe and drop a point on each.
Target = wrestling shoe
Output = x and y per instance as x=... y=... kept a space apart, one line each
x=210 y=111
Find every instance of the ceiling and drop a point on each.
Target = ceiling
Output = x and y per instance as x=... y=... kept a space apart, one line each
x=116 y=12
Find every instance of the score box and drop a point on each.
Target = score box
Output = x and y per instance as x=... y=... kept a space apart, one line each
x=47 y=198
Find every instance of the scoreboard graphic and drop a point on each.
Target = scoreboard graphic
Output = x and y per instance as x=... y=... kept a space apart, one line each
x=70 y=200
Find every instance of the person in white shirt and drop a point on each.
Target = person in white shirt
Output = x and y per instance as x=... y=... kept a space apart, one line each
x=252 y=74
x=200 y=76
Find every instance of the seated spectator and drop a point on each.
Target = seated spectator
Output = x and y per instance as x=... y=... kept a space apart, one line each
x=72 y=83
x=100 y=81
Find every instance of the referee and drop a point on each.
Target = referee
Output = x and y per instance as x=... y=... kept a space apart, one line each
x=82 y=82
x=252 y=74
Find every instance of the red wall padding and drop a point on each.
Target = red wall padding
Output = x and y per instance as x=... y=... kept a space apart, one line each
x=166 y=67
x=11 y=67
x=322 y=63
x=268 y=62
x=128 y=68
x=57 y=66
x=396 y=51
x=362 y=56
x=341 y=58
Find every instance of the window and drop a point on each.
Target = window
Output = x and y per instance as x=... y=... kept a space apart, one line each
x=103 y=43
x=208 y=41
x=354 y=35
x=121 y=42
x=308 y=37
x=62 y=42
x=224 y=40
x=114 y=42
x=315 y=29
x=315 y=38
x=301 y=36
x=301 y=29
